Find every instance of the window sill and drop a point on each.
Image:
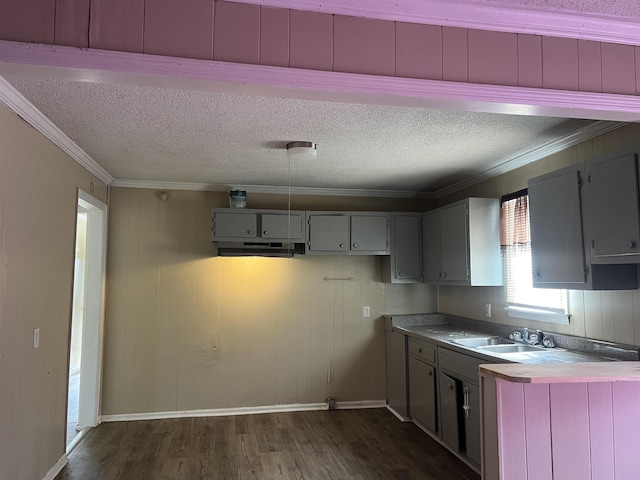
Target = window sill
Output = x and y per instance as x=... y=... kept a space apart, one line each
x=540 y=315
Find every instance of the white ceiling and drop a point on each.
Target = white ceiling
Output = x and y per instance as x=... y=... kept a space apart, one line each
x=170 y=135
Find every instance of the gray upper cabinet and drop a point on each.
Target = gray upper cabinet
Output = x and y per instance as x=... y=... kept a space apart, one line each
x=259 y=225
x=461 y=243
x=404 y=265
x=558 y=247
x=347 y=233
x=612 y=216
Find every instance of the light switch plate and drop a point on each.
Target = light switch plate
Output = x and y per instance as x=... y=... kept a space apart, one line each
x=36 y=337
x=366 y=312
x=487 y=310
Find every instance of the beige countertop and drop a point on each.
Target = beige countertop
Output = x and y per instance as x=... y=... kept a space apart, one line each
x=565 y=373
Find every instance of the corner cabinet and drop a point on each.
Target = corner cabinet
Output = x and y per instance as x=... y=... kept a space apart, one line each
x=404 y=265
x=422 y=384
x=347 y=233
x=461 y=243
x=557 y=237
x=242 y=225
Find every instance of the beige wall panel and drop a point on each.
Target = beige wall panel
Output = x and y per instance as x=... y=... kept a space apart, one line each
x=602 y=315
x=37 y=234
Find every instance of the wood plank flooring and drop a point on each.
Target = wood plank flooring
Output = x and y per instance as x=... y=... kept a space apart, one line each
x=341 y=444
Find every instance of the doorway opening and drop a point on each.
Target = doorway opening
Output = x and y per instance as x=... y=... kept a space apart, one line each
x=85 y=337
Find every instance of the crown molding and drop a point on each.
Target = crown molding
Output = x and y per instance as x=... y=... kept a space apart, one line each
x=504 y=166
x=13 y=99
x=270 y=189
x=536 y=21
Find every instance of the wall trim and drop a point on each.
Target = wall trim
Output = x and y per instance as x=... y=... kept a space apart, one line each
x=57 y=468
x=582 y=135
x=13 y=99
x=276 y=190
x=224 y=412
x=536 y=21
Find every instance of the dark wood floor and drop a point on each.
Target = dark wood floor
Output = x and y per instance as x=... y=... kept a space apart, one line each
x=342 y=444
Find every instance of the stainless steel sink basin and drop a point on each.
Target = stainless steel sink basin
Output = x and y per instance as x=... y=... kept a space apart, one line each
x=483 y=342
x=514 y=348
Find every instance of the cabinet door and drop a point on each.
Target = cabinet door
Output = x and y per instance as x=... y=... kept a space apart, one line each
x=407 y=247
x=557 y=248
x=455 y=243
x=471 y=407
x=282 y=226
x=448 y=388
x=329 y=233
x=369 y=233
x=431 y=246
x=396 y=356
x=422 y=393
x=235 y=225
x=612 y=205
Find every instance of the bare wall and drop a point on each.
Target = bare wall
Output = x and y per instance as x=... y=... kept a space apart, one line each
x=611 y=316
x=37 y=235
x=186 y=330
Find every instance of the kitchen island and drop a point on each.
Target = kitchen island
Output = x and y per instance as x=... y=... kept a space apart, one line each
x=560 y=421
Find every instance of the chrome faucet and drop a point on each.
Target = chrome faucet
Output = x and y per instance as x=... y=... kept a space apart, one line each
x=532 y=338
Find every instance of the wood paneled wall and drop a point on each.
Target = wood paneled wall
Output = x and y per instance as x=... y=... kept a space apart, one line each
x=37 y=236
x=260 y=35
x=186 y=330
x=607 y=315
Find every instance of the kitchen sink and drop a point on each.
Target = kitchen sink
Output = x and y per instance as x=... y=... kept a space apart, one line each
x=513 y=348
x=482 y=342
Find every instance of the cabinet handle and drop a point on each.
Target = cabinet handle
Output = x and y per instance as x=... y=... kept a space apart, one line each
x=466 y=407
x=430 y=374
x=399 y=274
x=450 y=387
x=444 y=274
x=342 y=245
x=420 y=350
x=355 y=245
x=632 y=244
x=265 y=233
x=250 y=232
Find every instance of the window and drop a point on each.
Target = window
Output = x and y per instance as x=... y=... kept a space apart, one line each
x=524 y=301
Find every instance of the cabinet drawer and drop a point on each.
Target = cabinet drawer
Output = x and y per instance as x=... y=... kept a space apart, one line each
x=460 y=364
x=424 y=352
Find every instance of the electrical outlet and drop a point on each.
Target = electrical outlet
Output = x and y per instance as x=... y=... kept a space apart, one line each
x=366 y=312
x=36 y=337
x=487 y=310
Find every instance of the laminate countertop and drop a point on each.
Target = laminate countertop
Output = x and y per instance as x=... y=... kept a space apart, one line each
x=567 y=373
x=444 y=330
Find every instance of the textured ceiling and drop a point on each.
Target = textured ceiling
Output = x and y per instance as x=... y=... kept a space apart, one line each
x=142 y=133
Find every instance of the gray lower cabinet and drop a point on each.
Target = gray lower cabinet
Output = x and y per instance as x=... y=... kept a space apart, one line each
x=449 y=411
x=396 y=372
x=422 y=393
x=471 y=408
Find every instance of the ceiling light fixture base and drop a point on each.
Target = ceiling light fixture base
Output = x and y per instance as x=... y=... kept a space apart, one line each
x=302 y=151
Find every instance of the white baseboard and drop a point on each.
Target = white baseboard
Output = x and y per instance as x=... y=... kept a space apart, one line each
x=57 y=468
x=223 y=412
x=400 y=417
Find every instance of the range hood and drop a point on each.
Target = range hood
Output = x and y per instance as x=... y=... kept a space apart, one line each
x=259 y=249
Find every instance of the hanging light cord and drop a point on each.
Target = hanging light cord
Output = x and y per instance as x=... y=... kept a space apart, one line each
x=289 y=211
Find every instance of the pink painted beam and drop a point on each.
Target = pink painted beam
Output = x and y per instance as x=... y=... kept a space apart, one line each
x=311 y=41
x=178 y=30
x=117 y=25
x=511 y=430
x=237 y=33
x=590 y=66
x=364 y=45
x=493 y=57
x=28 y=20
x=454 y=54
x=529 y=61
x=626 y=425
x=418 y=51
x=72 y=23
x=618 y=69
x=274 y=36
x=559 y=63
